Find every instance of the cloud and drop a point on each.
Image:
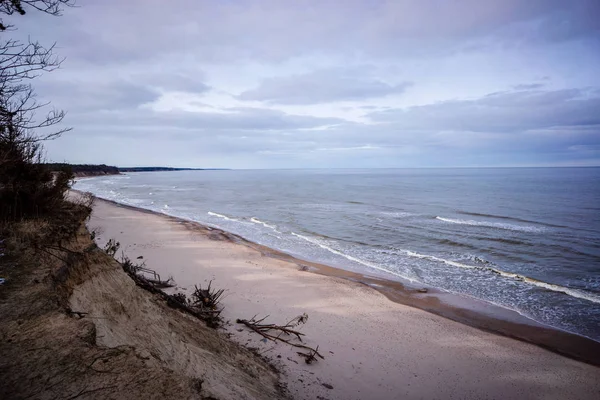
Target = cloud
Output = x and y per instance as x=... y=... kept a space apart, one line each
x=529 y=86
x=95 y=94
x=178 y=121
x=176 y=81
x=331 y=83
x=272 y=30
x=322 y=86
x=501 y=112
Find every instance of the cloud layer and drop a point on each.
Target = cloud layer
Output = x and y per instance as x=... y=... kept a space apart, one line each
x=333 y=83
x=323 y=86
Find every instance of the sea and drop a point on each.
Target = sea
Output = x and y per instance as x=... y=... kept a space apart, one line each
x=527 y=239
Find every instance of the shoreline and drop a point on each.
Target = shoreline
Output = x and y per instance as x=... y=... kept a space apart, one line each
x=466 y=310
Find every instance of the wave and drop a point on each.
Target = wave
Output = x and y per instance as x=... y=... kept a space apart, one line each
x=497 y=225
x=450 y=242
x=507 y=241
x=214 y=214
x=580 y=294
x=351 y=258
x=398 y=214
x=476 y=214
x=258 y=221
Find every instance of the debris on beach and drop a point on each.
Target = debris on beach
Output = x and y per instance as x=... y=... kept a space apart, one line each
x=111 y=247
x=284 y=333
x=203 y=303
x=149 y=274
x=207 y=298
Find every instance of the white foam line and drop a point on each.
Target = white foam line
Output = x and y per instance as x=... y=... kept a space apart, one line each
x=258 y=221
x=550 y=286
x=348 y=257
x=398 y=214
x=521 y=228
x=221 y=216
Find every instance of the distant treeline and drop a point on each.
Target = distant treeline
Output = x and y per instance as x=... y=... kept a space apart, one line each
x=84 y=169
x=148 y=169
x=102 y=169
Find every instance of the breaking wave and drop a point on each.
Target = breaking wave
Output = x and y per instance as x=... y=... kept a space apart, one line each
x=497 y=225
x=258 y=221
x=214 y=214
x=580 y=294
x=349 y=257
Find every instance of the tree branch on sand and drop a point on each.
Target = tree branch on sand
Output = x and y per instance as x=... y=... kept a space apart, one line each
x=284 y=333
x=203 y=304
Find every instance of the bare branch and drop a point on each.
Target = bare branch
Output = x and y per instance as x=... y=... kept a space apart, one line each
x=51 y=7
x=265 y=330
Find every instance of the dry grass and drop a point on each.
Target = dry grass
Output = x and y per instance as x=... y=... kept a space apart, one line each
x=29 y=230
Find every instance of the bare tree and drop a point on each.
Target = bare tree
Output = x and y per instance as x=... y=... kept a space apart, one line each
x=23 y=181
x=52 y=7
x=19 y=64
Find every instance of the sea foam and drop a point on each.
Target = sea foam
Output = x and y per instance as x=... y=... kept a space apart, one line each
x=214 y=214
x=489 y=224
x=580 y=294
x=351 y=258
x=259 y=222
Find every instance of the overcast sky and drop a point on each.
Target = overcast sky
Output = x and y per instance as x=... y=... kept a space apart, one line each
x=344 y=83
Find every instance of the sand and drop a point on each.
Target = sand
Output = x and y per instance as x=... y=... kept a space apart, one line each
x=75 y=326
x=374 y=348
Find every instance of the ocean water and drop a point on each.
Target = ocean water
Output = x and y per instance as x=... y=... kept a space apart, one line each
x=527 y=239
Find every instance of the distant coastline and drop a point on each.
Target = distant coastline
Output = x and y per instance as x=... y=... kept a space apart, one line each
x=87 y=170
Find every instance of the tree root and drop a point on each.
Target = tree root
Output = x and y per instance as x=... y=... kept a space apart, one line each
x=198 y=307
x=279 y=333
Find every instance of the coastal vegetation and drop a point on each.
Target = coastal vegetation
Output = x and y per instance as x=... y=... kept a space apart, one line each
x=83 y=169
x=27 y=187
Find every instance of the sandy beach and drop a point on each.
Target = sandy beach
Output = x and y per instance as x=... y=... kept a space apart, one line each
x=374 y=348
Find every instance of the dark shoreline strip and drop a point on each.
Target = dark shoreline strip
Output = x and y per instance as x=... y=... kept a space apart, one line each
x=466 y=310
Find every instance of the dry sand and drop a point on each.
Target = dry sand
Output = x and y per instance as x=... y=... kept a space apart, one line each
x=374 y=348
x=76 y=326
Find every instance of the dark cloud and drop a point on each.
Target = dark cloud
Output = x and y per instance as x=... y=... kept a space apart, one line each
x=323 y=86
x=117 y=31
x=501 y=112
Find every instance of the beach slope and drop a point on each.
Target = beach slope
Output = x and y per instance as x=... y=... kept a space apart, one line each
x=75 y=325
x=374 y=348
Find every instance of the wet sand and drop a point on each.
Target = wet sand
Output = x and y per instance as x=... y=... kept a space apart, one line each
x=418 y=345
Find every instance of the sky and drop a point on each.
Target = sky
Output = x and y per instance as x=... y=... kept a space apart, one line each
x=324 y=84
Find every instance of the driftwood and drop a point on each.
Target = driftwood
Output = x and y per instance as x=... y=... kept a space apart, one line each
x=282 y=333
x=178 y=301
x=310 y=356
x=208 y=298
x=162 y=284
x=149 y=274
